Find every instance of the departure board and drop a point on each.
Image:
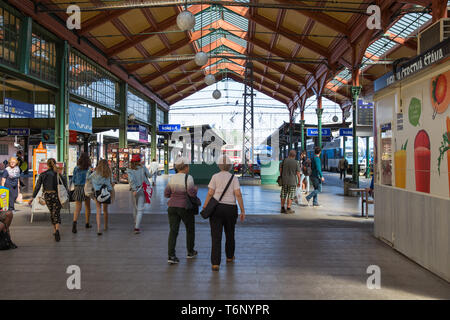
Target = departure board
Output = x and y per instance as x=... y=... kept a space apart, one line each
x=365 y=113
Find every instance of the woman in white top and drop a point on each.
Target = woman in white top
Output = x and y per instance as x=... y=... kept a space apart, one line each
x=226 y=213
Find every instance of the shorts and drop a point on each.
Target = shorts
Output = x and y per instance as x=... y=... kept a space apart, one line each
x=288 y=192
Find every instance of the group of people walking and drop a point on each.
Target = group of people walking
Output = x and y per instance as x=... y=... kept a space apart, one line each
x=296 y=177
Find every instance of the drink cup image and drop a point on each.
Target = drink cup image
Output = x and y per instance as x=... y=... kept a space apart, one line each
x=422 y=160
x=400 y=168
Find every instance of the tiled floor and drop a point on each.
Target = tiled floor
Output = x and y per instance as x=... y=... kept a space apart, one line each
x=313 y=254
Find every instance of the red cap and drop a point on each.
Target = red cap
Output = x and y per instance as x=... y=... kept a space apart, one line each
x=136 y=158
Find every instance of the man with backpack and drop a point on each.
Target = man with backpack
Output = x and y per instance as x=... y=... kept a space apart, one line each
x=316 y=178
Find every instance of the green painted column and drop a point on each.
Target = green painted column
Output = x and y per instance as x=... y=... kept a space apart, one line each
x=302 y=129
x=62 y=105
x=356 y=90
x=123 y=117
x=153 y=132
x=166 y=146
x=367 y=158
x=319 y=112
x=26 y=28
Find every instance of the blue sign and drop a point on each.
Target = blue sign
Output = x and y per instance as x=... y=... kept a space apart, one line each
x=133 y=128
x=19 y=132
x=80 y=118
x=169 y=127
x=346 y=132
x=18 y=108
x=314 y=132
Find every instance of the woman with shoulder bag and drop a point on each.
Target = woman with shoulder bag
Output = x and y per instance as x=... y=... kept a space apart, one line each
x=103 y=189
x=79 y=180
x=137 y=176
x=177 y=191
x=226 y=213
x=49 y=181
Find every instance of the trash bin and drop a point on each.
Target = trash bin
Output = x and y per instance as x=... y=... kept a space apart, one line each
x=348 y=183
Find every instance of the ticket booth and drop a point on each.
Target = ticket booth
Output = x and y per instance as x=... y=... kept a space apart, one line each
x=412 y=159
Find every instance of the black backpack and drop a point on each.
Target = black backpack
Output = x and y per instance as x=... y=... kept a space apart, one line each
x=307 y=167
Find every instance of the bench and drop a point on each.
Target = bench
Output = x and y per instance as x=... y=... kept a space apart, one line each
x=365 y=201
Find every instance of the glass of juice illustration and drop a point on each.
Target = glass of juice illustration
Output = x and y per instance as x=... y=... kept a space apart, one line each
x=400 y=168
x=422 y=159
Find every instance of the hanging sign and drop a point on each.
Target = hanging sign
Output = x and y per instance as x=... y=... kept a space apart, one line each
x=18 y=132
x=80 y=118
x=18 y=108
x=314 y=132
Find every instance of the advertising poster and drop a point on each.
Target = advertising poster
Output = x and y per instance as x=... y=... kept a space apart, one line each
x=421 y=151
x=73 y=156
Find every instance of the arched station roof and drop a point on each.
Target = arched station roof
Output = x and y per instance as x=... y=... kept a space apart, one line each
x=298 y=48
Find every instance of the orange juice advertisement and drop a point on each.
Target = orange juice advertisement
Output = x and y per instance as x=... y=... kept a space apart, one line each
x=421 y=153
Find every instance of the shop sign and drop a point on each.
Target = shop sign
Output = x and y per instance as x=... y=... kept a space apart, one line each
x=169 y=127
x=433 y=56
x=18 y=132
x=314 y=132
x=346 y=132
x=18 y=108
x=80 y=118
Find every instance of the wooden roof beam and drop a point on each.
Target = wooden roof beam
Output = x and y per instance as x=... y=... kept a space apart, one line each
x=324 y=19
x=127 y=44
x=309 y=44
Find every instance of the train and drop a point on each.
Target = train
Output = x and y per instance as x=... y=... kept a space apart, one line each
x=333 y=151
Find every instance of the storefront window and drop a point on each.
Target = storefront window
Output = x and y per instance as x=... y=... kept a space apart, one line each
x=92 y=82
x=43 y=57
x=9 y=37
x=138 y=106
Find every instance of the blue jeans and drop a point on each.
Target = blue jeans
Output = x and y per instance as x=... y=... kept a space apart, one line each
x=317 y=183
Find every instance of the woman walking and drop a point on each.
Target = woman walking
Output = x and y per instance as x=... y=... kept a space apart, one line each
x=102 y=183
x=11 y=180
x=226 y=212
x=137 y=175
x=49 y=181
x=80 y=173
x=180 y=184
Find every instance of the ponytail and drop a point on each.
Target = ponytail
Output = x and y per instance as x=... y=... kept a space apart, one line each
x=51 y=164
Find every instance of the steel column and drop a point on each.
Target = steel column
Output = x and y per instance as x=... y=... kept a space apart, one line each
x=166 y=146
x=62 y=105
x=25 y=44
x=154 y=142
x=356 y=90
x=248 y=136
x=123 y=117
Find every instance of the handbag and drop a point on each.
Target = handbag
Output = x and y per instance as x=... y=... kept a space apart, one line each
x=213 y=203
x=192 y=203
x=63 y=195
x=88 y=187
x=279 y=179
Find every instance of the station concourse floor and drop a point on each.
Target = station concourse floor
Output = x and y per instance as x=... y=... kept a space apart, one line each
x=316 y=253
